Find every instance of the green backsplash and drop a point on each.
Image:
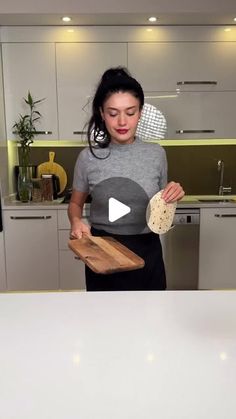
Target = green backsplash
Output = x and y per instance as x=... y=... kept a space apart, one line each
x=195 y=167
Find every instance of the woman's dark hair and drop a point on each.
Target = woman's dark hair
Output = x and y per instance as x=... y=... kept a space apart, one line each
x=114 y=80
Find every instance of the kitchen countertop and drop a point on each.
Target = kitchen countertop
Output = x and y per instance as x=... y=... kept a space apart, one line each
x=187 y=202
x=130 y=355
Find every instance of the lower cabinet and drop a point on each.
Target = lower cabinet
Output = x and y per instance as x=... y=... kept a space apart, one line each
x=3 y=284
x=72 y=271
x=31 y=244
x=71 y=268
x=217 y=248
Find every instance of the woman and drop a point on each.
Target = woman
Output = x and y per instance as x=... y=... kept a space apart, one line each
x=119 y=154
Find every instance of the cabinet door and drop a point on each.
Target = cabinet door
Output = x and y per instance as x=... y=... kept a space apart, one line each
x=196 y=114
x=30 y=67
x=31 y=249
x=180 y=252
x=161 y=65
x=217 y=248
x=71 y=268
x=72 y=271
x=2 y=264
x=79 y=67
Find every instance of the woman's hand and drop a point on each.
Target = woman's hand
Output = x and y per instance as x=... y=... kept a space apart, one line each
x=79 y=229
x=173 y=192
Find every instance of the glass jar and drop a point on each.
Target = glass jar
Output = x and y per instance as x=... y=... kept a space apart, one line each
x=36 y=189
x=47 y=188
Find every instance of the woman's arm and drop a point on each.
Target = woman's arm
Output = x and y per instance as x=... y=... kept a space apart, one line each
x=75 y=211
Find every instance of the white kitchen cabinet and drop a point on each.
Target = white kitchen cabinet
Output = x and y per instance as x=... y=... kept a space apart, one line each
x=31 y=244
x=3 y=284
x=71 y=268
x=217 y=248
x=196 y=114
x=180 y=252
x=79 y=68
x=159 y=66
x=30 y=67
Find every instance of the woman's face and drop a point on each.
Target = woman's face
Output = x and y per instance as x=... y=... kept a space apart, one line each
x=121 y=113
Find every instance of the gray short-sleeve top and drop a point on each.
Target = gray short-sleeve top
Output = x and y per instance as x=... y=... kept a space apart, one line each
x=144 y=163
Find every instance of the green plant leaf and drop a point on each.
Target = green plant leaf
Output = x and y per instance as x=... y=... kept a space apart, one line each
x=24 y=127
x=38 y=101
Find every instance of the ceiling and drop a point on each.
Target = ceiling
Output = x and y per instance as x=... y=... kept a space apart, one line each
x=118 y=19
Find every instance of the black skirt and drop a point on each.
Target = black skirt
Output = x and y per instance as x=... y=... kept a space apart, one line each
x=151 y=277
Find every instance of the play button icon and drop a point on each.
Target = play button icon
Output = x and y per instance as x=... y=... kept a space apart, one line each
x=117 y=209
x=118 y=206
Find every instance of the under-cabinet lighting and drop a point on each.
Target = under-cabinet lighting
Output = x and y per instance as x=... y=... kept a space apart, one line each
x=235 y=19
x=66 y=19
x=161 y=97
x=152 y=19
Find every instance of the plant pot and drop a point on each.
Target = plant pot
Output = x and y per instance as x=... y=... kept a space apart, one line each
x=24 y=183
x=24 y=155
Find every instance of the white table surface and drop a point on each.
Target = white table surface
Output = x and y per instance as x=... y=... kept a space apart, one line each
x=131 y=355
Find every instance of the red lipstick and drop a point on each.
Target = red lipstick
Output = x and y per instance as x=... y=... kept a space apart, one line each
x=122 y=131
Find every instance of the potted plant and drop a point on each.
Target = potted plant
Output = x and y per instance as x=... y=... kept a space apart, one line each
x=25 y=129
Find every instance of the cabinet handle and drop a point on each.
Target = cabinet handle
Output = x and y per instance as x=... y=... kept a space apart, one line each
x=225 y=215
x=195 y=131
x=195 y=82
x=33 y=217
x=37 y=132
x=77 y=257
x=44 y=132
x=79 y=132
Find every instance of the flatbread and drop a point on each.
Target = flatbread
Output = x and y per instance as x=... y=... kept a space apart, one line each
x=160 y=214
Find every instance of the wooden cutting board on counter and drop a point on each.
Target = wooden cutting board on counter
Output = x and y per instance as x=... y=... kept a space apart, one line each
x=50 y=167
x=105 y=255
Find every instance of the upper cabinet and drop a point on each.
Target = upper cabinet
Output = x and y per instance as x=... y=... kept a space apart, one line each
x=196 y=114
x=191 y=81
x=167 y=66
x=79 y=68
x=30 y=67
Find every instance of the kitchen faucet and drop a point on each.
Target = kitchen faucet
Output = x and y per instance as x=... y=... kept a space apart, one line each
x=222 y=189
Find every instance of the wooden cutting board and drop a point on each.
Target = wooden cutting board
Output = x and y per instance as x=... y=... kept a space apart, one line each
x=50 y=167
x=105 y=255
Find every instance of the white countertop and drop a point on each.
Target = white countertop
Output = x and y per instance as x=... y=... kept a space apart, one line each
x=133 y=355
x=189 y=201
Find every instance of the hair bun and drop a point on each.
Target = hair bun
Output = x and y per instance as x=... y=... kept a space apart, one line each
x=115 y=72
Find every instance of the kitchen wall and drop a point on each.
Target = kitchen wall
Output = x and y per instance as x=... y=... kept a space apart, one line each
x=195 y=167
x=3 y=143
